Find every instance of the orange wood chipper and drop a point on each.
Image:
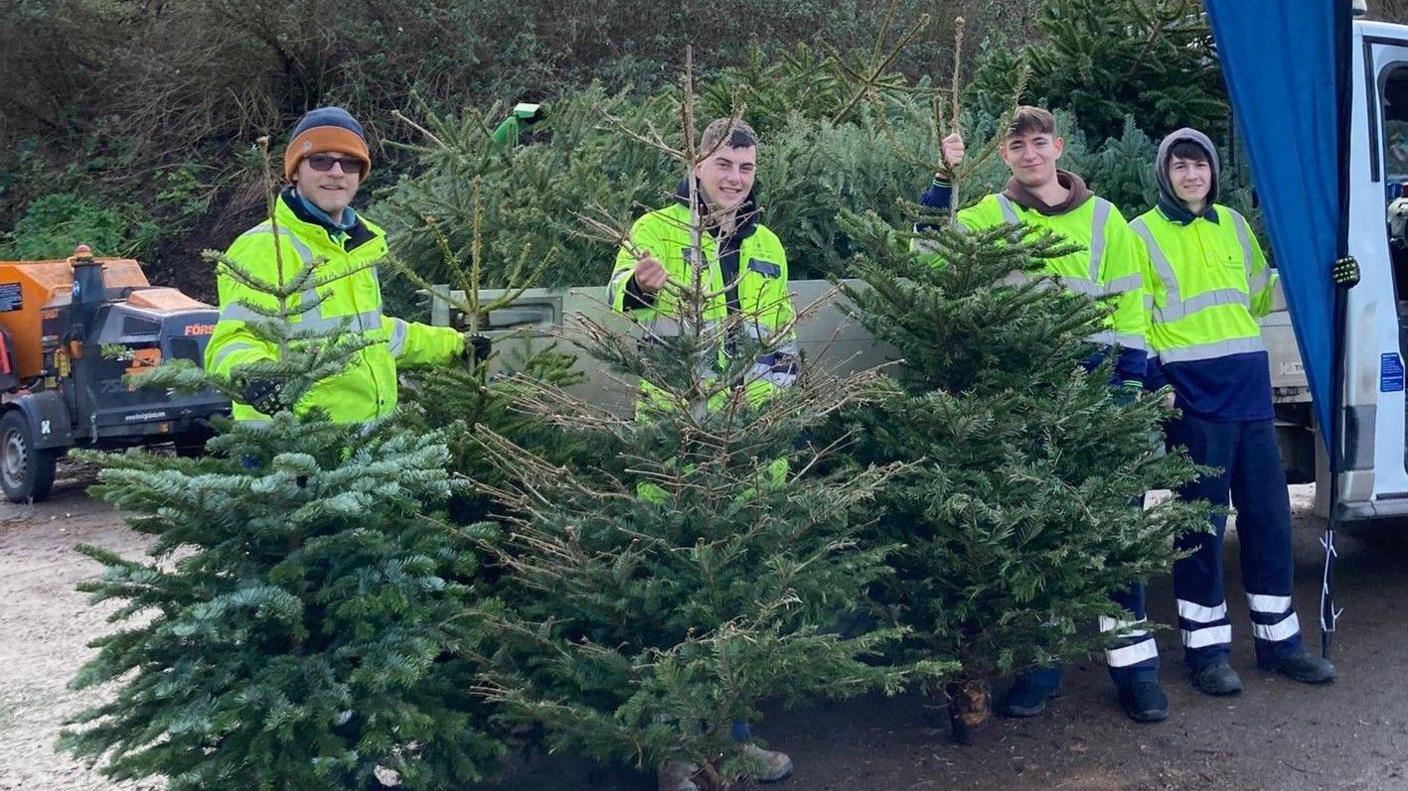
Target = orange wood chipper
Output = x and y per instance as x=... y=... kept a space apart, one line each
x=71 y=330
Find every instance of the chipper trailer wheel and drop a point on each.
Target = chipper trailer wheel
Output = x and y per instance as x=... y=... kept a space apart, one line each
x=26 y=473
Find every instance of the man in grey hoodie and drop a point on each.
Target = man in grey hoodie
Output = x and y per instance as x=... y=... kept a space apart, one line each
x=1212 y=284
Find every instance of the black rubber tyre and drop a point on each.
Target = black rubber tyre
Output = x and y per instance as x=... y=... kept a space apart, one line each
x=26 y=473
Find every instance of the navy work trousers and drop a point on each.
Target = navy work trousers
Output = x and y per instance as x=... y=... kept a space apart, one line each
x=1249 y=470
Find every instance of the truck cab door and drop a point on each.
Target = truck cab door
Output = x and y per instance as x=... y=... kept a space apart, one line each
x=1375 y=478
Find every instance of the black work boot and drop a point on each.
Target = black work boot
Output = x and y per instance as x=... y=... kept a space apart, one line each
x=1144 y=701
x=1218 y=679
x=1028 y=695
x=1301 y=667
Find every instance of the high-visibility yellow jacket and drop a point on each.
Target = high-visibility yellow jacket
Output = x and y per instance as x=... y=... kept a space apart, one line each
x=1110 y=263
x=366 y=389
x=763 y=299
x=1211 y=282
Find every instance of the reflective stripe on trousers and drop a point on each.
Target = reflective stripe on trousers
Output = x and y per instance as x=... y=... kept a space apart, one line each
x=1272 y=617
x=1140 y=645
x=1202 y=625
x=1247 y=469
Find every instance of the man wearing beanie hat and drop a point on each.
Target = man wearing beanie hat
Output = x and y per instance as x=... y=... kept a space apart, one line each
x=1209 y=283
x=326 y=161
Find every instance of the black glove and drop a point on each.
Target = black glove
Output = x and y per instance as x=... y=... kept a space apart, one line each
x=476 y=348
x=262 y=394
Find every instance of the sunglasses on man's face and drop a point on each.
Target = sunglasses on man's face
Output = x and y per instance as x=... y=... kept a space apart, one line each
x=324 y=162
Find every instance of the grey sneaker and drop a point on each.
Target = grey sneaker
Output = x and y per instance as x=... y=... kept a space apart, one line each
x=676 y=776
x=767 y=766
x=1218 y=679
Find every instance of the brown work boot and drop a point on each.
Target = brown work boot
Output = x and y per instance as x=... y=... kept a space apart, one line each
x=766 y=766
x=676 y=776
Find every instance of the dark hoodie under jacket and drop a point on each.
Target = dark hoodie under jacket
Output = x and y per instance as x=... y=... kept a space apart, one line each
x=1169 y=202
x=1078 y=194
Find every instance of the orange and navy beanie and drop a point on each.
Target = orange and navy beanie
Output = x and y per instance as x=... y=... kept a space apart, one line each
x=326 y=130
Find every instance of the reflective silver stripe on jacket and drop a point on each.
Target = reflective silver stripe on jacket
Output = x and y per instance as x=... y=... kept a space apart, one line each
x=1172 y=297
x=1089 y=285
x=1123 y=340
x=1240 y=224
x=228 y=349
x=1097 y=237
x=1079 y=285
x=236 y=311
x=1207 y=351
x=1207 y=299
x=302 y=249
x=661 y=327
x=1076 y=285
x=397 y=341
x=1259 y=281
x=1009 y=212
x=617 y=282
x=365 y=321
x=1123 y=285
x=1177 y=307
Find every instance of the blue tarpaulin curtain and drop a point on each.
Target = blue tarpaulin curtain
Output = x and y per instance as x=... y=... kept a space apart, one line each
x=1286 y=65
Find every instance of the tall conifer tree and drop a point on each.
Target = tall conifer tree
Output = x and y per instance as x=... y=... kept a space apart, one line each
x=288 y=628
x=1015 y=521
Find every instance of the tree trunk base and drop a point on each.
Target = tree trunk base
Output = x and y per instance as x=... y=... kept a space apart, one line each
x=969 y=710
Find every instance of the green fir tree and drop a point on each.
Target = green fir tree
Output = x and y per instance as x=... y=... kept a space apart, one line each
x=695 y=565
x=690 y=570
x=289 y=626
x=1107 y=60
x=453 y=401
x=1015 y=520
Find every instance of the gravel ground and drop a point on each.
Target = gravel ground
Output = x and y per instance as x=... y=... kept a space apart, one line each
x=1276 y=735
x=46 y=625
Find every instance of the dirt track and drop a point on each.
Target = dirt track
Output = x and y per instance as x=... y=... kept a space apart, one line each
x=1276 y=735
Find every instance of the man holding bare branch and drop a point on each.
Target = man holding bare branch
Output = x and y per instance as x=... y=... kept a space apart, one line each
x=1109 y=264
x=741 y=271
x=744 y=270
